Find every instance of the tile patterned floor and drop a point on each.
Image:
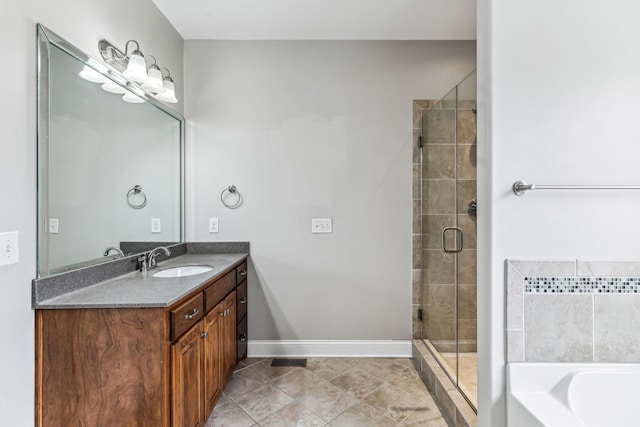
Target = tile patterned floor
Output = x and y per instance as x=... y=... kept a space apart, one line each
x=333 y=392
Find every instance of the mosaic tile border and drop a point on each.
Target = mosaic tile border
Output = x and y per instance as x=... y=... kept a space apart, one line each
x=582 y=285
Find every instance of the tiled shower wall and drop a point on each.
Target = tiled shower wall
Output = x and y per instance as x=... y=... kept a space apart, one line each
x=573 y=311
x=434 y=178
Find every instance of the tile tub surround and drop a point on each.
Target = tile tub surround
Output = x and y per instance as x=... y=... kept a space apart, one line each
x=573 y=311
x=52 y=287
x=327 y=392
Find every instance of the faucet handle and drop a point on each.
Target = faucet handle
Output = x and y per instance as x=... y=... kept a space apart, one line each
x=143 y=263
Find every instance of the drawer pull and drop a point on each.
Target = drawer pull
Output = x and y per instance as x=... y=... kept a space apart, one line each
x=243 y=338
x=191 y=315
x=243 y=273
x=243 y=300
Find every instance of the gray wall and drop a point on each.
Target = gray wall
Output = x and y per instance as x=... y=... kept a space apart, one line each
x=314 y=129
x=83 y=23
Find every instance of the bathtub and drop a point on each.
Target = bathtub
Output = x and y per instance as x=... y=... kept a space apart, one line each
x=573 y=395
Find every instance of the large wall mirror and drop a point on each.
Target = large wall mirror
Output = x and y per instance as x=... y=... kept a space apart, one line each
x=110 y=172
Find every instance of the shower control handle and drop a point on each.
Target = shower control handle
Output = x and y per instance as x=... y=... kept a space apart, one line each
x=443 y=245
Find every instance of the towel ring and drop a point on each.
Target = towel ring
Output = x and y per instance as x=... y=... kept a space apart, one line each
x=229 y=191
x=133 y=192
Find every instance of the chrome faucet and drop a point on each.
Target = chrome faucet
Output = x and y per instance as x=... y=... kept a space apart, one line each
x=113 y=248
x=151 y=257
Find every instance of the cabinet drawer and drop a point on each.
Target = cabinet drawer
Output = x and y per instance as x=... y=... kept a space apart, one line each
x=220 y=289
x=241 y=302
x=242 y=339
x=186 y=315
x=241 y=272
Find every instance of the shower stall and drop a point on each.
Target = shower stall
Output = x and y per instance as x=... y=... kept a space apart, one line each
x=448 y=207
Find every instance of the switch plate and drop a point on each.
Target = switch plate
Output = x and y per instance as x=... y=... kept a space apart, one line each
x=9 y=248
x=321 y=225
x=53 y=225
x=156 y=226
x=213 y=225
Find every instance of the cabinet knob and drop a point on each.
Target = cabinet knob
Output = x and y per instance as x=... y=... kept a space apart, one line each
x=243 y=300
x=191 y=315
x=243 y=273
x=205 y=335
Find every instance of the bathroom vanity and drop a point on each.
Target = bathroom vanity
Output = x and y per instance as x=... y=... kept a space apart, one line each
x=139 y=350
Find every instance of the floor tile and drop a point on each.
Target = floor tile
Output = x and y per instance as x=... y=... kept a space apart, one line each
x=427 y=418
x=292 y=415
x=296 y=382
x=242 y=382
x=357 y=383
x=384 y=369
x=334 y=392
x=362 y=415
x=326 y=400
x=229 y=415
x=263 y=402
x=409 y=380
x=327 y=368
x=269 y=372
x=396 y=403
x=407 y=363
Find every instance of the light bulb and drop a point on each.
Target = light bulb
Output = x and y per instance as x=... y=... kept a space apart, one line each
x=137 y=69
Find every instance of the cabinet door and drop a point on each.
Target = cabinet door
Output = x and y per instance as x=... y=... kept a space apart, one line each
x=229 y=336
x=212 y=369
x=186 y=377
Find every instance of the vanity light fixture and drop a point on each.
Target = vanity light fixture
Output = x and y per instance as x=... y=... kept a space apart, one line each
x=133 y=67
x=154 y=82
x=169 y=94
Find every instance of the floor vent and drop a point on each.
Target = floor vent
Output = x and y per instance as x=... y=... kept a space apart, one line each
x=289 y=362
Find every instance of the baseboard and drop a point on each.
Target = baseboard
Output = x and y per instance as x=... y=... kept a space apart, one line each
x=321 y=348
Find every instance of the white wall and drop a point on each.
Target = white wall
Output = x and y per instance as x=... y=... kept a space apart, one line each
x=314 y=129
x=560 y=88
x=83 y=23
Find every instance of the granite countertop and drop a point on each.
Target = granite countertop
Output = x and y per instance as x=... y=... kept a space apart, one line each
x=138 y=290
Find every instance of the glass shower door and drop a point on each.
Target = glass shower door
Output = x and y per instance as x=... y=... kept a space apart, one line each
x=449 y=234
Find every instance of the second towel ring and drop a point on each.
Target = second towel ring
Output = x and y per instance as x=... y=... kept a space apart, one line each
x=134 y=191
x=230 y=190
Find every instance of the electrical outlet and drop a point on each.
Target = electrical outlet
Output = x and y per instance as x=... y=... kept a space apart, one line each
x=156 y=226
x=213 y=225
x=321 y=225
x=53 y=225
x=9 y=248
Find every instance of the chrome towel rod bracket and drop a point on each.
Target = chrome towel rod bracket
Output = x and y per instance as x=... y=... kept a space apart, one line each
x=521 y=187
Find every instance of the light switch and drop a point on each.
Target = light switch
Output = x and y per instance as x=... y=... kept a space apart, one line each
x=156 y=226
x=321 y=225
x=9 y=248
x=53 y=225
x=213 y=225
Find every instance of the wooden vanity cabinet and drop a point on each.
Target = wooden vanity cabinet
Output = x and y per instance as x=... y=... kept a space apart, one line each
x=155 y=367
x=187 y=379
x=219 y=358
x=242 y=303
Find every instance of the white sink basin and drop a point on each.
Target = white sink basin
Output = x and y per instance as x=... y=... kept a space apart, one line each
x=187 y=270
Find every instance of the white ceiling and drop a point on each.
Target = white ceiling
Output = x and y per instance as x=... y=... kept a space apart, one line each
x=322 y=19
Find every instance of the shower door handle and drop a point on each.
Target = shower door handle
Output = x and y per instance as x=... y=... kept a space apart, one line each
x=458 y=240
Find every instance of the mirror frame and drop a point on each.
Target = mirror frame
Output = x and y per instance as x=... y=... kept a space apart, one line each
x=46 y=38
